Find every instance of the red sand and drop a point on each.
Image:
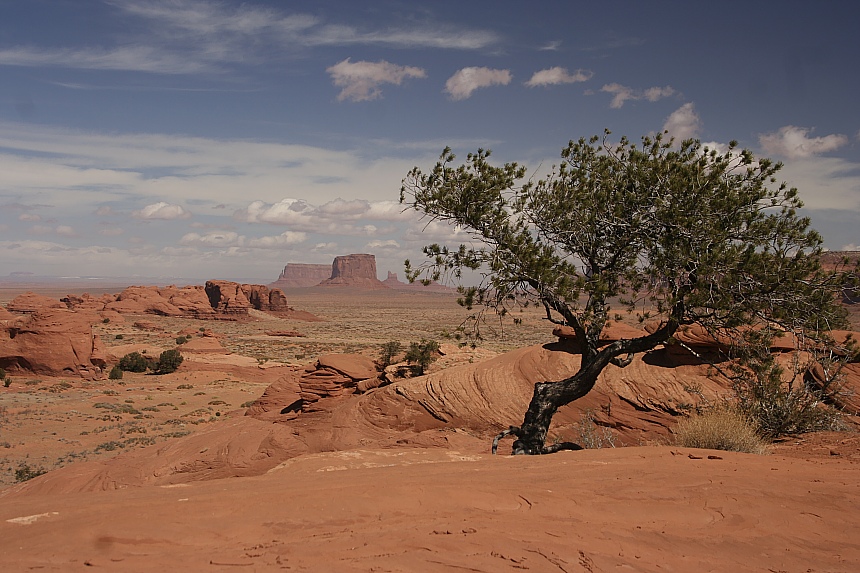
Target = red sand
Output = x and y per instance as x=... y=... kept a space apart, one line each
x=634 y=509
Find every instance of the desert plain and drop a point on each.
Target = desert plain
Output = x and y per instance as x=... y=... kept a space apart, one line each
x=227 y=465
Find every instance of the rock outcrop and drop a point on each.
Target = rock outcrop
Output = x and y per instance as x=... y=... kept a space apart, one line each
x=52 y=342
x=190 y=301
x=30 y=302
x=300 y=275
x=358 y=270
x=332 y=376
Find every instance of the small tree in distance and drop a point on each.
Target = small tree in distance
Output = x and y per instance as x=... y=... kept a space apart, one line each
x=681 y=234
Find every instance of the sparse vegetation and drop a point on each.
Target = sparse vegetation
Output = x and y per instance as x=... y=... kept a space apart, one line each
x=388 y=352
x=421 y=355
x=26 y=472
x=168 y=361
x=722 y=428
x=133 y=362
x=115 y=373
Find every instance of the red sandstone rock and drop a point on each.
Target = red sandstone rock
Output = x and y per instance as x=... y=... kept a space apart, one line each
x=227 y=298
x=299 y=275
x=52 y=342
x=279 y=400
x=30 y=302
x=354 y=271
x=289 y=333
x=6 y=315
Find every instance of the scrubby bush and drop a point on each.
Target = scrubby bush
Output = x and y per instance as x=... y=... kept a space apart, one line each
x=133 y=362
x=25 y=472
x=720 y=429
x=421 y=355
x=388 y=352
x=168 y=361
x=115 y=373
x=181 y=340
x=119 y=337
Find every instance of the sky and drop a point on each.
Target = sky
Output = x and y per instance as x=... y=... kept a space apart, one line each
x=224 y=139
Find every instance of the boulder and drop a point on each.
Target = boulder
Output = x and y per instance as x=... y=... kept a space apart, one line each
x=332 y=376
x=52 y=342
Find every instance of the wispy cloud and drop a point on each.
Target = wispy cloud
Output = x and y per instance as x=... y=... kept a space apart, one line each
x=622 y=93
x=465 y=81
x=194 y=37
x=794 y=142
x=361 y=80
x=558 y=75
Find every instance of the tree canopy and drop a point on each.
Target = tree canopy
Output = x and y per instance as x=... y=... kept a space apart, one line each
x=676 y=233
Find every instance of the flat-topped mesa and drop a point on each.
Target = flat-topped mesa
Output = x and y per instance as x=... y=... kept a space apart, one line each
x=357 y=270
x=301 y=275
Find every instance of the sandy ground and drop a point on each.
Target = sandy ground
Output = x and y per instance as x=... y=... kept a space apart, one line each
x=401 y=509
x=630 y=509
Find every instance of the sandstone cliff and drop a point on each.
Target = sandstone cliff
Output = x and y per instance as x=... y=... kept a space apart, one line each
x=300 y=275
x=357 y=270
x=393 y=282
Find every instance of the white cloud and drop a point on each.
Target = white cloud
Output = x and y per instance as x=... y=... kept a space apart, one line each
x=850 y=247
x=793 y=142
x=210 y=239
x=162 y=210
x=623 y=93
x=75 y=171
x=277 y=241
x=130 y=58
x=683 y=123
x=362 y=81
x=111 y=232
x=824 y=182
x=382 y=245
x=558 y=75
x=333 y=217
x=465 y=81
x=65 y=231
x=29 y=217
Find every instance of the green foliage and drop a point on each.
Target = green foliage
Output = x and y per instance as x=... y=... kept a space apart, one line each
x=105 y=321
x=388 y=352
x=779 y=406
x=674 y=232
x=133 y=362
x=421 y=355
x=25 y=472
x=168 y=361
x=115 y=373
x=6 y=381
x=720 y=429
x=182 y=339
x=119 y=337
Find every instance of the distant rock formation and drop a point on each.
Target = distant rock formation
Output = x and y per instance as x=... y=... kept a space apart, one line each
x=393 y=282
x=300 y=275
x=358 y=270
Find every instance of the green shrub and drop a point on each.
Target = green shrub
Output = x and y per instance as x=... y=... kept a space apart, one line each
x=25 y=472
x=779 y=407
x=133 y=362
x=720 y=429
x=421 y=355
x=119 y=337
x=115 y=373
x=388 y=352
x=168 y=361
x=181 y=340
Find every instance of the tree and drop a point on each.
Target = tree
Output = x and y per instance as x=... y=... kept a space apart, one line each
x=168 y=361
x=677 y=234
x=133 y=362
x=421 y=355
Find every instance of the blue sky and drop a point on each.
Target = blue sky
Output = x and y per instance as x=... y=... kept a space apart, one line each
x=190 y=139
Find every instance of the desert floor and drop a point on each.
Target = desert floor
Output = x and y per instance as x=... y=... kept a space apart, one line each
x=656 y=508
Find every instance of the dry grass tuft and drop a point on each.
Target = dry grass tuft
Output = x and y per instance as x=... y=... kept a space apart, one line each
x=720 y=429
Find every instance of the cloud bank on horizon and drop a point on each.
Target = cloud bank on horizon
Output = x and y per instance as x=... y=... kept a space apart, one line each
x=195 y=139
